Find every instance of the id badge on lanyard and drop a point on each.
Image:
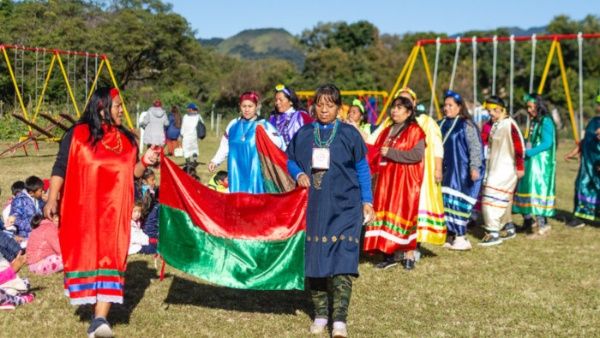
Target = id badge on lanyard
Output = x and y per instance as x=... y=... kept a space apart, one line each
x=320 y=158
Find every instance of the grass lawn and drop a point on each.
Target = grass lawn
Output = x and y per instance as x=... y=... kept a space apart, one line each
x=538 y=288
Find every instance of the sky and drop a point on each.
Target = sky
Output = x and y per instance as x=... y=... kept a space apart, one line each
x=224 y=19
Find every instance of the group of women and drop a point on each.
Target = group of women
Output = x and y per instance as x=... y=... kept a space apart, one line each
x=426 y=176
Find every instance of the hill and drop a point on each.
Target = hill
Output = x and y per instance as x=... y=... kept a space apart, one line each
x=263 y=43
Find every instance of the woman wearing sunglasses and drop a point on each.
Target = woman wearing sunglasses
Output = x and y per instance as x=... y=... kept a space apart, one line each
x=287 y=118
x=463 y=169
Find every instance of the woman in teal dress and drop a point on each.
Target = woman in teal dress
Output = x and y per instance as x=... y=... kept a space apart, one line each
x=587 y=184
x=535 y=196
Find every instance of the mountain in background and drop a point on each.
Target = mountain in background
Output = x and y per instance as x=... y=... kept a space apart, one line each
x=277 y=43
x=517 y=31
x=261 y=43
x=213 y=42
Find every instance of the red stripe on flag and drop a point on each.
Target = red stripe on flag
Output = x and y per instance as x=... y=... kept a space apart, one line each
x=236 y=215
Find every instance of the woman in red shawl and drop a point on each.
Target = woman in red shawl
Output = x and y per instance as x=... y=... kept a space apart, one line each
x=93 y=174
x=400 y=173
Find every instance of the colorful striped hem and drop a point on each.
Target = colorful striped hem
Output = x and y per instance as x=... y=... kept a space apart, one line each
x=92 y=273
x=452 y=192
x=437 y=230
x=95 y=286
x=588 y=199
x=426 y=221
x=586 y=216
x=498 y=189
x=392 y=227
x=535 y=196
x=523 y=201
x=391 y=237
x=456 y=203
x=532 y=205
x=499 y=206
x=493 y=198
x=393 y=218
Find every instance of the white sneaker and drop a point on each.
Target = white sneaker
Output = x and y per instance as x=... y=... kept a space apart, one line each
x=317 y=327
x=339 y=330
x=461 y=244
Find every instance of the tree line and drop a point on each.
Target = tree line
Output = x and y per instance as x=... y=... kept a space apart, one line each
x=155 y=53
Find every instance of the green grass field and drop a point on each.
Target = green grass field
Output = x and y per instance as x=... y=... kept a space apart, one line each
x=538 y=288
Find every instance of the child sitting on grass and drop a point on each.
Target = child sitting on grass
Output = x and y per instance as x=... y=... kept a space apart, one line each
x=15 y=188
x=219 y=182
x=26 y=204
x=43 y=248
x=14 y=291
x=138 y=237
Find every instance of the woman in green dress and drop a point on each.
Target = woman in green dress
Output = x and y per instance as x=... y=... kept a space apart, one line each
x=535 y=196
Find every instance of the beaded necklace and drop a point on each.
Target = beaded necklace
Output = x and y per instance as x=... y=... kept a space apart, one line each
x=317 y=135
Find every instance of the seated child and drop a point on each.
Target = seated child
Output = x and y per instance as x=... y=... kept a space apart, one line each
x=15 y=188
x=43 y=248
x=219 y=182
x=138 y=237
x=14 y=291
x=26 y=204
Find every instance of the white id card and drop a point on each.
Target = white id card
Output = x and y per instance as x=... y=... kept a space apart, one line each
x=320 y=158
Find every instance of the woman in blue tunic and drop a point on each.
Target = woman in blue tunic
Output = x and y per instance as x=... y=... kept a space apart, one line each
x=463 y=169
x=238 y=146
x=329 y=158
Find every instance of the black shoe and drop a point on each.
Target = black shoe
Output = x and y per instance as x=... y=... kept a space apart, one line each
x=408 y=264
x=491 y=239
x=576 y=223
x=388 y=262
x=508 y=231
x=527 y=225
x=99 y=328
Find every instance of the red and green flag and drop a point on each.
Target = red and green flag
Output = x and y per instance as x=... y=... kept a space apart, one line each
x=238 y=240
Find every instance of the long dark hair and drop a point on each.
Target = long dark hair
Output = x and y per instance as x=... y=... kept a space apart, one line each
x=542 y=111
x=101 y=101
x=540 y=106
x=177 y=116
x=407 y=103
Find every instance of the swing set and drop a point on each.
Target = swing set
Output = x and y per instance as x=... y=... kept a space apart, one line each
x=371 y=99
x=36 y=132
x=404 y=77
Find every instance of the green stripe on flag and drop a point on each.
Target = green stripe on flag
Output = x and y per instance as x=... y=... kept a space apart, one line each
x=235 y=263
